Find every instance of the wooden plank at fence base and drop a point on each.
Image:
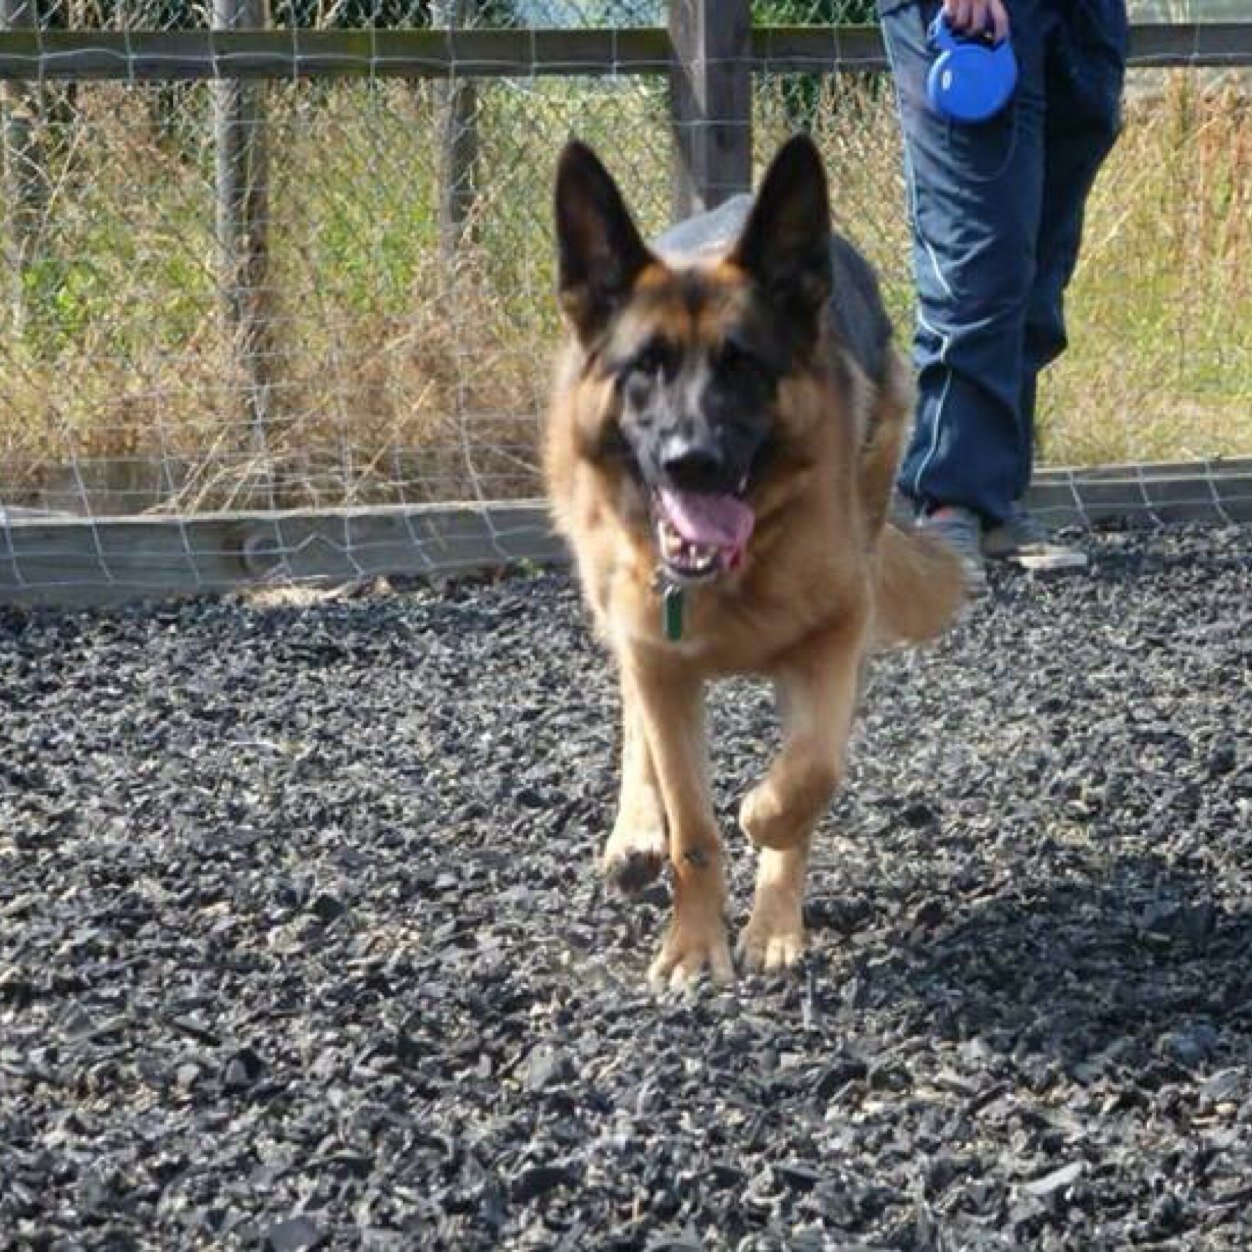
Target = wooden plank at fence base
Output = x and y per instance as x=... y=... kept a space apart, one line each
x=80 y=562
x=1145 y=495
x=77 y=562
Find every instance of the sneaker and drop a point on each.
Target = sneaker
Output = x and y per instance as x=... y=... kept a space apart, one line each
x=961 y=530
x=1022 y=538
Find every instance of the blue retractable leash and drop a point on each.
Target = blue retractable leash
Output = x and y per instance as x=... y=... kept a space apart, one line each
x=972 y=78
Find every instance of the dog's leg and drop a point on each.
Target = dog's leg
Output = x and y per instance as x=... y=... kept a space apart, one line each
x=671 y=709
x=773 y=939
x=817 y=689
x=636 y=849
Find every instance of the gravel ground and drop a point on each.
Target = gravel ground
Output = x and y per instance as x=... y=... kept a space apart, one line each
x=301 y=942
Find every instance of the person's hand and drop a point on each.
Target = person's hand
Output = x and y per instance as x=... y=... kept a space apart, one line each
x=975 y=17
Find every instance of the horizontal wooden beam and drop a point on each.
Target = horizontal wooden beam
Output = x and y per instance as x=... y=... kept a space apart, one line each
x=1208 y=493
x=156 y=56
x=200 y=54
x=1215 y=45
x=817 y=49
x=813 y=49
x=68 y=561
x=80 y=561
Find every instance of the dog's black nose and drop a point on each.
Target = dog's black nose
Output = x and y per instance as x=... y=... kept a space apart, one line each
x=693 y=466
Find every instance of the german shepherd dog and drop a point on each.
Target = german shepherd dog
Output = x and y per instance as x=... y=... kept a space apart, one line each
x=719 y=454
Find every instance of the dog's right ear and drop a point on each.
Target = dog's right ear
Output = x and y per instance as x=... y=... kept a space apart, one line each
x=600 y=253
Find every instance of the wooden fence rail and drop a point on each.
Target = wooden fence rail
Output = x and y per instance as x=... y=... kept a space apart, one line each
x=166 y=56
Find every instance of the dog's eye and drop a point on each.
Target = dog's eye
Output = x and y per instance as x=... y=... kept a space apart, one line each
x=653 y=359
x=736 y=357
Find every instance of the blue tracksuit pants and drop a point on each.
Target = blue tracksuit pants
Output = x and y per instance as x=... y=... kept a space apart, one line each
x=997 y=211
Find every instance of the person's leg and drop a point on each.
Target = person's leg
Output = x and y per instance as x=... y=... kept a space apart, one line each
x=975 y=199
x=1085 y=68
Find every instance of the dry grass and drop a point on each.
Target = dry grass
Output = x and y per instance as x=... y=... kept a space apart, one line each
x=397 y=378
x=1161 y=362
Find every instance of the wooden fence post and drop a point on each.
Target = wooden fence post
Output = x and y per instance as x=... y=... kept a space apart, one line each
x=24 y=184
x=243 y=236
x=456 y=107
x=710 y=102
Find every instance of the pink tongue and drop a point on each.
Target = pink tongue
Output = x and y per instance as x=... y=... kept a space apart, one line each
x=710 y=521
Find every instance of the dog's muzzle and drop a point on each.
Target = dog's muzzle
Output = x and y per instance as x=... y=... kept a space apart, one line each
x=700 y=535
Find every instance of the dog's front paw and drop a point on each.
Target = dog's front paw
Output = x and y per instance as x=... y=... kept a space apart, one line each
x=689 y=951
x=773 y=939
x=633 y=857
x=763 y=950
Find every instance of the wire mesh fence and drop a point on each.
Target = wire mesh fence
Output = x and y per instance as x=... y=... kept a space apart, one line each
x=420 y=14
x=153 y=15
x=394 y=372
x=308 y=289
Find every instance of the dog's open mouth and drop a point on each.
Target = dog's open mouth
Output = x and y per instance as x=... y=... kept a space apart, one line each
x=700 y=535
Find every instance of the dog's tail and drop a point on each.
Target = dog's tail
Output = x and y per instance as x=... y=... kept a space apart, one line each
x=919 y=587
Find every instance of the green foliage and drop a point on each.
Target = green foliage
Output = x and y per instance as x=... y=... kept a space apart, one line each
x=72 y=299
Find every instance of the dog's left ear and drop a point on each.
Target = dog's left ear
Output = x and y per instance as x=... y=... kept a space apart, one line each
x=785 y=244
x=600 y=252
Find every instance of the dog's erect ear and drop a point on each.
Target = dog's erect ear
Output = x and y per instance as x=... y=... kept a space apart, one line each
x=600 y=253
x=785 y=244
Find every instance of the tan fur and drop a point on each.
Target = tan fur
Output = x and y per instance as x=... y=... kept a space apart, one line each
x=918 y=588
x=918 y=584
x=825 y=579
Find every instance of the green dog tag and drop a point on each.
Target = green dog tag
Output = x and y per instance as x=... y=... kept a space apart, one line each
x=672 y=612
